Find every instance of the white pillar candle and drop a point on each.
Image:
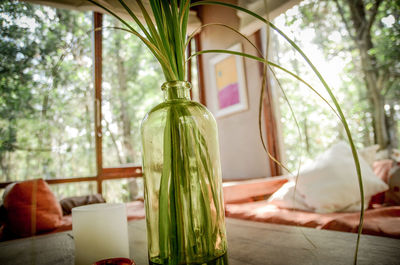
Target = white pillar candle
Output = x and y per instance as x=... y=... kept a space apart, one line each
x=100 y=232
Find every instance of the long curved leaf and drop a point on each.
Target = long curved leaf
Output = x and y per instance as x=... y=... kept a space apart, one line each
x=332 y=96
x=260 y=59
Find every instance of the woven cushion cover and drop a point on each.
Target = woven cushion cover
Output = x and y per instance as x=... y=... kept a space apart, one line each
x=31 y=208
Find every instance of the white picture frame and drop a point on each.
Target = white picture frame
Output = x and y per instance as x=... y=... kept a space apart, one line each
x=228 y=83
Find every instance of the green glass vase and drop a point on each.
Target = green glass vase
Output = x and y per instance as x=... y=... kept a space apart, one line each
x=182 y=181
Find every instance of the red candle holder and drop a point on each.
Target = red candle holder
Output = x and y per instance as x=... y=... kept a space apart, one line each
x=115 y=261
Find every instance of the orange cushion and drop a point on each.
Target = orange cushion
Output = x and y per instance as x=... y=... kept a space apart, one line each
x=31 y=208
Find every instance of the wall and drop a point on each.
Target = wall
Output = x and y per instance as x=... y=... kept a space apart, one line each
x=242 y=155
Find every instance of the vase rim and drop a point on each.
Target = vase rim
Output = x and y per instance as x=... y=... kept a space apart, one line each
x=176 y=83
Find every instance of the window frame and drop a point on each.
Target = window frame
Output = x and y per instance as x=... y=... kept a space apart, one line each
x=109 y=173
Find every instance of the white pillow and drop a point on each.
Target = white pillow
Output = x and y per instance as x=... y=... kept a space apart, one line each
x=283 y=198
x=330 y=184
x=355 y=207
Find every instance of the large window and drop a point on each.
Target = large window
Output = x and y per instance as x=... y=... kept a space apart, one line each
x=72 y=100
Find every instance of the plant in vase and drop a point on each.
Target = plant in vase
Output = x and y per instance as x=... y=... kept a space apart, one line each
x=182 y=174
x=184 y=204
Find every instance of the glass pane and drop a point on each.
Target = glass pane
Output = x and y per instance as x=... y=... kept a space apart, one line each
x=74 y=189
x=46 y=93
x=131 y=87
x=123 y=190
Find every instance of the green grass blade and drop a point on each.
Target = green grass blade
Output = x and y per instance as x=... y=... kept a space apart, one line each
x=308 y=85
x=292 y=114
x=327 y=88
x=175 y=37
x=225 y=26
x=149 y=23
x=156 y=52
x=296 y=47
x=169 y=71
x=137 y=21
x=299 y=166
x=260 y=53
x=113 y=14
x=260 y=104
x=160 y=19
x=260 y=59
x=168 y=27
x=165 y=221
x=184 y=11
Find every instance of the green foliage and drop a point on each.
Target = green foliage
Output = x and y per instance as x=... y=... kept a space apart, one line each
x=47 y=96
x=336 y=39
x=386 y=38
x=15 y=82
x=44 y=84
x=331 y=40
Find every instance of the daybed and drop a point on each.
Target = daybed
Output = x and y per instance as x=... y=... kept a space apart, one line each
x=244 y=200
x=248 y=200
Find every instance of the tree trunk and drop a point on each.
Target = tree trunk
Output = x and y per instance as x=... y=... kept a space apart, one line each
x=43 y=134
x=5 y=166
x=371 y=75
x=122 y=90
x=362 y=28
x=392 y=127
x=89 y=128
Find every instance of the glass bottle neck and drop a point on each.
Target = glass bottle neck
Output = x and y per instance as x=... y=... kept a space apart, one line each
x=176 y=90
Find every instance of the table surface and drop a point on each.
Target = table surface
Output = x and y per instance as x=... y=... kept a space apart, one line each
x=249 y=243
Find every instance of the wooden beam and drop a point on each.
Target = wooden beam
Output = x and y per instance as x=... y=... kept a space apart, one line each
x=269 y=117
x=97 y=43
x=121 y=172
x=57 y=181
x=133 y=174
x=70 y=180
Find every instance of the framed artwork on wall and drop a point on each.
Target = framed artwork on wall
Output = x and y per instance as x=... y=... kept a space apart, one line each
x=228 y=83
